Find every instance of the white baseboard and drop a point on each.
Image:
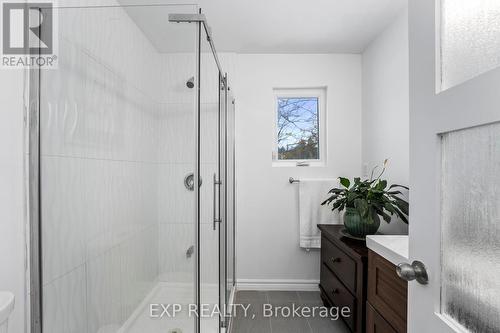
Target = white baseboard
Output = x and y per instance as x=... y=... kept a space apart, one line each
x=292 y=285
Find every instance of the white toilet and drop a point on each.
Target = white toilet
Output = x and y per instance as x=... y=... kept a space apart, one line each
x=6 y=307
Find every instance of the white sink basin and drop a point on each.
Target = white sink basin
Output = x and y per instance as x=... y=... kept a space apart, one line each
x=6 y=307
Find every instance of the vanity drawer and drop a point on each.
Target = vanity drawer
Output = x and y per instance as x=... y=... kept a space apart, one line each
x=338 y=295
x=346 y=276
x=340 y=263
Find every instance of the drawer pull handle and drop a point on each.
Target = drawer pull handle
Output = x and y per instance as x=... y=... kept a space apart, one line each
x=335 y=291
x=334 y=260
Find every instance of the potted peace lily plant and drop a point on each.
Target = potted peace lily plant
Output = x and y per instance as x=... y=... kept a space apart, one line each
x=365 y=201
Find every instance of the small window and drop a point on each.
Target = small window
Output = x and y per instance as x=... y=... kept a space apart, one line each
x=298 y=127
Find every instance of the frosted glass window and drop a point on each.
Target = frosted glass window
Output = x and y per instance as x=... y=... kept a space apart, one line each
x=470 y=39
x=470 y=235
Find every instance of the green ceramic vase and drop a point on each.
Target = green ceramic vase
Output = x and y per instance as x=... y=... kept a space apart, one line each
x=358 y=226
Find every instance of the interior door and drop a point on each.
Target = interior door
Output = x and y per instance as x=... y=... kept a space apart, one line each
x=455 y=164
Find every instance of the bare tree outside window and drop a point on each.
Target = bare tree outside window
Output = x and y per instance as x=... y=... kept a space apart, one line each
x=298 y=128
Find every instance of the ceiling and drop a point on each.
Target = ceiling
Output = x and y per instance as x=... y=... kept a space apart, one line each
x=273 y=26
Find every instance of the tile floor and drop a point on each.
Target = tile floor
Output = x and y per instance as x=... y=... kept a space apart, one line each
x=257 y=323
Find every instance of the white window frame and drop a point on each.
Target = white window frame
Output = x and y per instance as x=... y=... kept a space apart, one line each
x=314 y=92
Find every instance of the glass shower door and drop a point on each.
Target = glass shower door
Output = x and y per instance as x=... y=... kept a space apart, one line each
x=216 y=197
x=211 y=190
x=117 y=137
x=127 y=123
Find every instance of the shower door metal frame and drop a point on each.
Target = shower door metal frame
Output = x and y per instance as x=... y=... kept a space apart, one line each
x=230 y=150
x=226 y=148
x=34 y=296
x=197 y=176
x=220 y=181
x=222 y=110
x=34 y=241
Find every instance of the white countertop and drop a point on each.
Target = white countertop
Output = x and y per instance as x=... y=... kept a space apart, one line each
x=391 y=247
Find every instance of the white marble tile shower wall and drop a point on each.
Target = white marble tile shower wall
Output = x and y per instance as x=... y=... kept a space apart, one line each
x=177 y=153
x=209 y=246
x=100 y=195
x=177 y=156
x=178 y=211
x=177 y=68
x=65 y=303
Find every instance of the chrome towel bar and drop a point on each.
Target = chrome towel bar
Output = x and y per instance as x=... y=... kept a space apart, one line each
x=292 y=180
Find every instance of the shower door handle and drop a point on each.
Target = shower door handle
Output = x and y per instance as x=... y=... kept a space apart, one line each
x=216 y=219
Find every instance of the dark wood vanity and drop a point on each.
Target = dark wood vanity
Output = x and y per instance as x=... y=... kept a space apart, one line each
x=387 y=297
x=356 y=277
x=343 y=278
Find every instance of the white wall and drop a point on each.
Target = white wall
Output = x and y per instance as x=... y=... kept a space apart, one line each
x=267 y=211
x=386 y=107
x=12 y=217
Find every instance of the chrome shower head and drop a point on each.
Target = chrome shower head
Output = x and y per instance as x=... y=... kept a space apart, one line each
x=190 y=82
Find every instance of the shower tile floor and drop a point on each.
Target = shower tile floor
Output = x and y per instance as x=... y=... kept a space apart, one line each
x=260 y=324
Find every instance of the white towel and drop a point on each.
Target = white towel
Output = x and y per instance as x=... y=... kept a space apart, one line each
x=312 y=192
